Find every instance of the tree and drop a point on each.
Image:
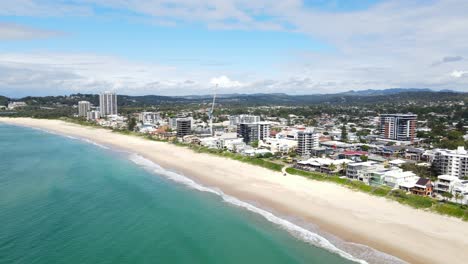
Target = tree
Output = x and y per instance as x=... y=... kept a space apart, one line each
x=344 y=134
x=447 y=195
x=364 y=158
x=365 y=148
x=254 y=144
x=344 y=167
x=332 y=167
x=132 y=124
x=458 y=196
x=460 y=126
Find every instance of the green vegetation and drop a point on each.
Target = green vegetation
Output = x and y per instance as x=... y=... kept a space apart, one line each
x=415 y=201
x=344 y=134
x=132 y=123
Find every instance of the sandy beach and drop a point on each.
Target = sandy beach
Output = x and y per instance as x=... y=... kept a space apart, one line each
x=415 y=236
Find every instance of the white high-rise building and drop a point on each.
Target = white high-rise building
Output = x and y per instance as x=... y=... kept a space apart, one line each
x=108 y=103
x=83 y=108
x=451 y=162
x=306 y=141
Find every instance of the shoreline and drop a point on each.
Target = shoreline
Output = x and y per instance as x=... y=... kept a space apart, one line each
x=412 y=235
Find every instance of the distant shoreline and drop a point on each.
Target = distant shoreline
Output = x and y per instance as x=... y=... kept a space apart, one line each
x=413 y=235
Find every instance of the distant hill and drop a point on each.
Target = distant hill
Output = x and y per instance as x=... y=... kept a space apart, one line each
x=396 y=95
x=387 y=91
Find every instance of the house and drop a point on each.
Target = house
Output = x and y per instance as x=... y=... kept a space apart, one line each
x=414 y=154
x=396 y=177
x=352 y=154
x=422 y=187
x=364 y=171
x=324 y=165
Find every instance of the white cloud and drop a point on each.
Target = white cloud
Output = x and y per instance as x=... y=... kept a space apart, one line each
x=11 y=31
x=395 y=43
x=225 y=82
x=458 y=74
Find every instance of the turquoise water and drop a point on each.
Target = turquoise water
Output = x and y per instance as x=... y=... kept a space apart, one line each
x=66 y=201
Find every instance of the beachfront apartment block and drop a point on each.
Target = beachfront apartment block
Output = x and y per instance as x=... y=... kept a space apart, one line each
x=83 y=108
x=278 y=145
x=251 y=132
x=453 y=185
x=93 y=115
x=307 y=141
x=399 y=127
x=451 y=162
x=184 y=127
x=149 y=117
x=108 y=104
x=246 y=119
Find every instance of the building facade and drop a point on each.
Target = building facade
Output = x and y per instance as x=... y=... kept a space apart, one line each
x=108 y=103
x=306 y=142
x=83 y=108
x=451 y=162
x=149 y=117
x=93 y=115
x=251 y=132
x=400 y=127
x=184 y=127
x=238 y=119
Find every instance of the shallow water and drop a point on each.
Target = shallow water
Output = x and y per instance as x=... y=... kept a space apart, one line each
x=63 y=200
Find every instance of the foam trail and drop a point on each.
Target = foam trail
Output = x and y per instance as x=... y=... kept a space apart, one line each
x=94 y=143
x=295 y=230
x=72 y=137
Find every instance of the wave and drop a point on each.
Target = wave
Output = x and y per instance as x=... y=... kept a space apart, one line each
x=293 y=229
x=72 y=137
x=94 y=143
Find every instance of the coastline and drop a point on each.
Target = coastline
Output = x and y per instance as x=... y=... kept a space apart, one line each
x=413 y=235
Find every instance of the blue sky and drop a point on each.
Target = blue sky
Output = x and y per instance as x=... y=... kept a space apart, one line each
x=186 y=46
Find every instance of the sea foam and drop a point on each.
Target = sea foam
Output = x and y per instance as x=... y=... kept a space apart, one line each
x=293 y=229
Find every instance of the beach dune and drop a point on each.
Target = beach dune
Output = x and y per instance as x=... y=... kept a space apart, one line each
x=415 y=236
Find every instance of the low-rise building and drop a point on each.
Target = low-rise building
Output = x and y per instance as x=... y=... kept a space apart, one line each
x=324 y=165
x=422 y=187
x=93 y=115
x=275 y=145
x=395 y=178
x=13 y=105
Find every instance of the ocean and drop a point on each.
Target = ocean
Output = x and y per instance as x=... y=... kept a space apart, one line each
x=64 y=200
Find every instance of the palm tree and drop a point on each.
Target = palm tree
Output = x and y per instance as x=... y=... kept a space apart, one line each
x=332 y=167
x=344 y=167
x=458 y=196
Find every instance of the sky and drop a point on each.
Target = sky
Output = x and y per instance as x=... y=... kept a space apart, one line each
x=190 y=47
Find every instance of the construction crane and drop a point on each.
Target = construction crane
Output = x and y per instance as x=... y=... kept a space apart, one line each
x=211 y=111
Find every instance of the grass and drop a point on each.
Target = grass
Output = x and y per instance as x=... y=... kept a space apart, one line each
x=415 y=201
